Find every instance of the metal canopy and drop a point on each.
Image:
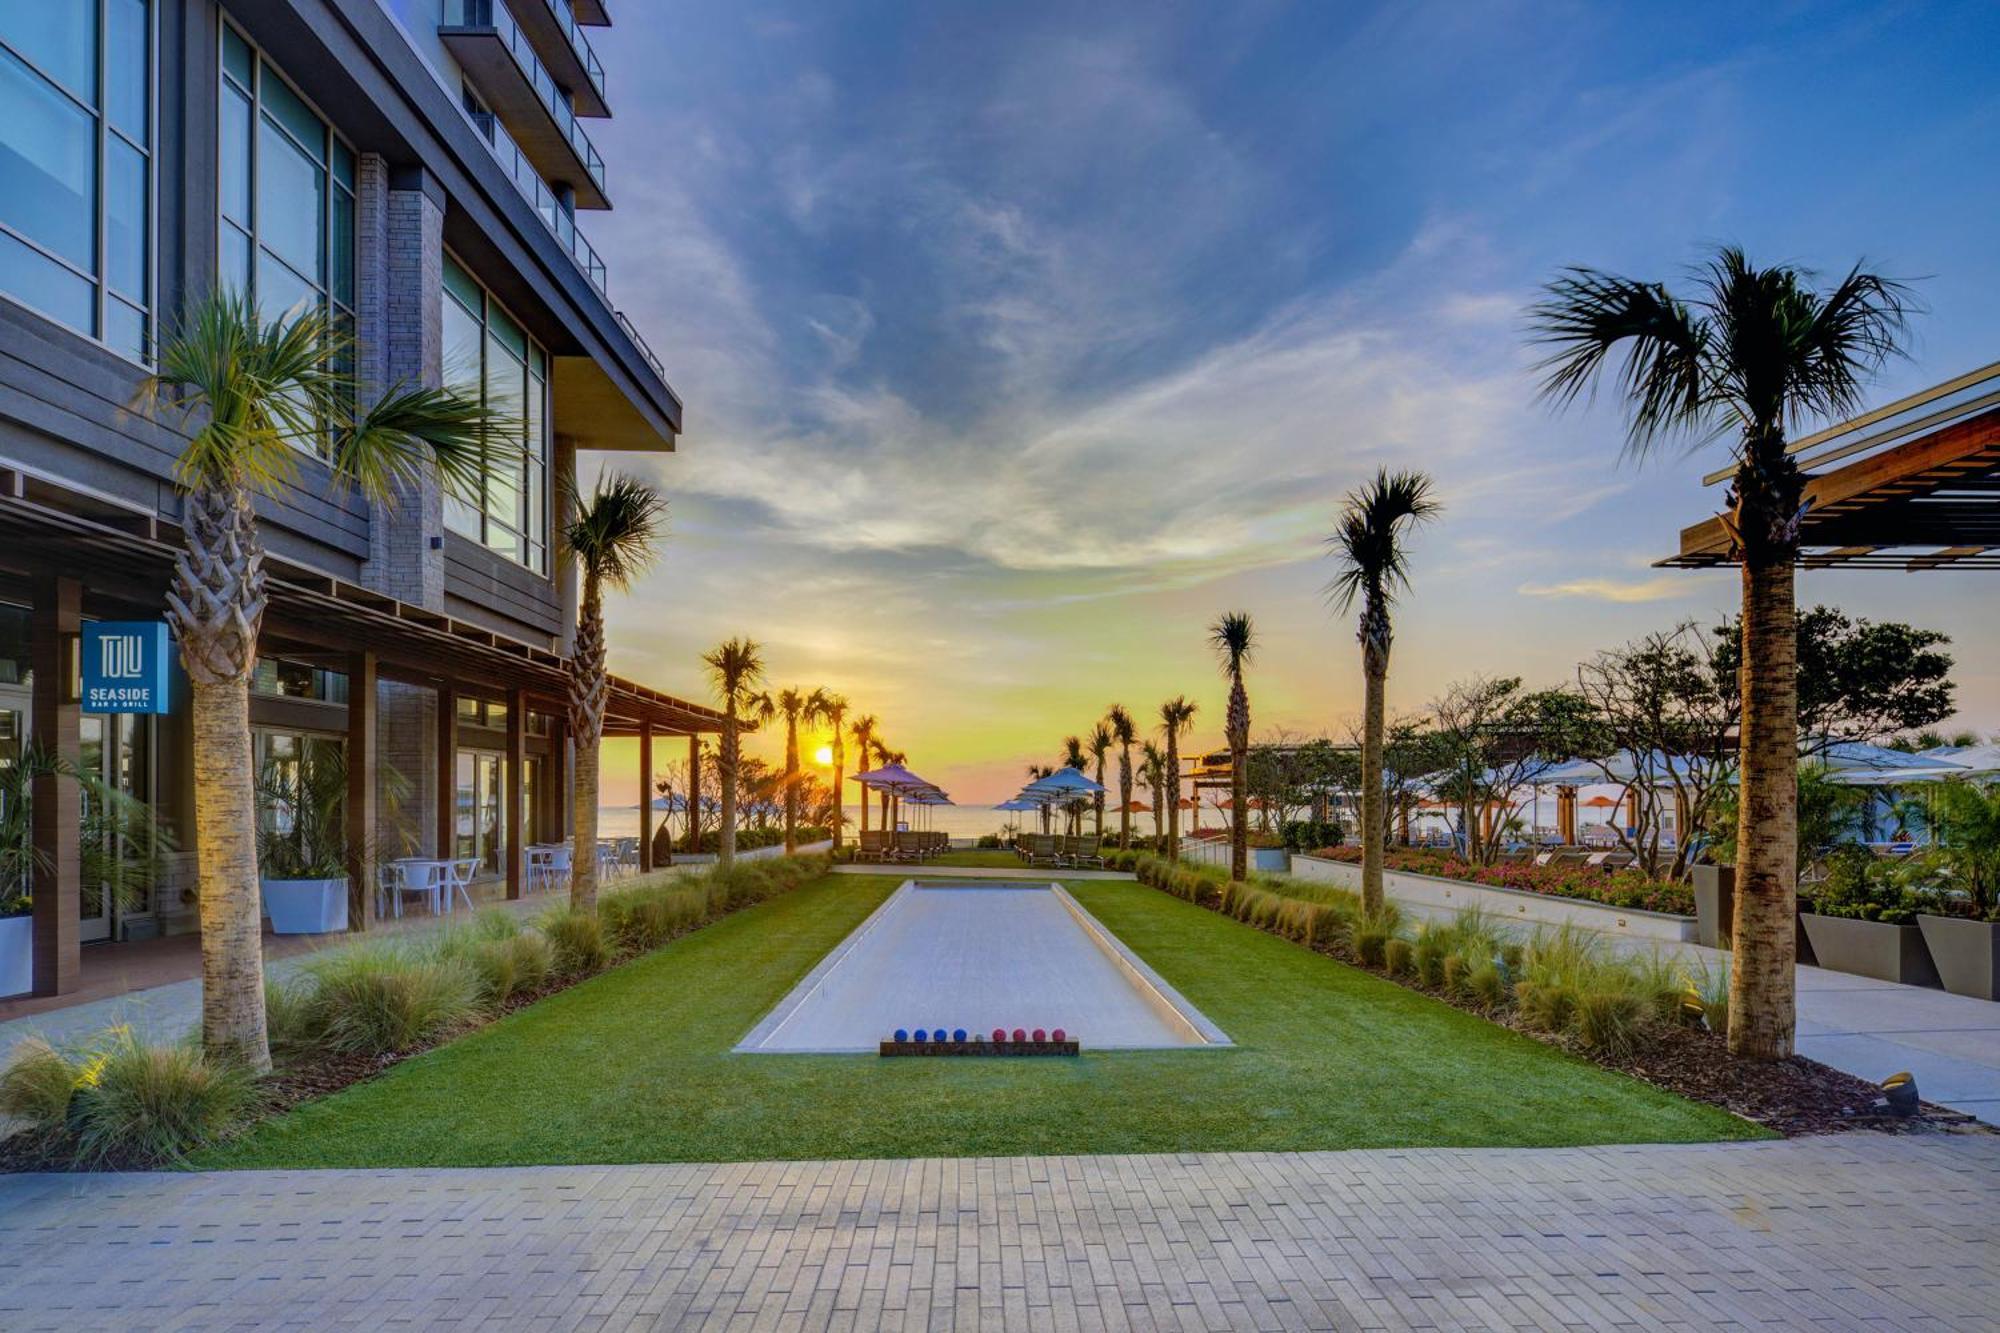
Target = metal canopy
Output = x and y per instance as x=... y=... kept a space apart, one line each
x=1911 y=486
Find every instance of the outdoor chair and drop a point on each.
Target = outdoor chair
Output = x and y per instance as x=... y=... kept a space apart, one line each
x=458 y=881
x=872 y=847
x=1083 y=852
x=1046 y=851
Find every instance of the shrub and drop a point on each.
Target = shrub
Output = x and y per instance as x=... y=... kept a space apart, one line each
x=154 y=1104
x=382 y=1000
x=1626 y=888
x=1393 y=952
x=294 y=1022
x=516 y=965
x=1546 y=1006
x=1300 y=835
x=1454 y=973
x=1609 y=1020
x=1432 y=944
x=1487 y=987
x=496 y=923
x=577 y=939
x=38 y=1085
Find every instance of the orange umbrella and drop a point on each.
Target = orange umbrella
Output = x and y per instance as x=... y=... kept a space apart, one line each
x=1135 y=807
x=1601 y=803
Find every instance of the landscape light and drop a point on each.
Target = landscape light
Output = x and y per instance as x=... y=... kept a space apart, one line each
x=1901 y=1091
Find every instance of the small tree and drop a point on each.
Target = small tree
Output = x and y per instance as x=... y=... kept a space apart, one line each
x=1234 y=640
x=253 y=398
x=611 y=535
x=1368 y=544
x=735 y=670
x=1125 y=733
x=1176 y=717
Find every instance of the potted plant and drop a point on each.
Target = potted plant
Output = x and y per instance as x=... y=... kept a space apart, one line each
x=1963 y=930
x=119 y=844
x=1865 y=918
x=302 y=844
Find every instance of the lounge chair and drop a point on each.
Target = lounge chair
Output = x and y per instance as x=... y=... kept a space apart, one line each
x=1083 y=852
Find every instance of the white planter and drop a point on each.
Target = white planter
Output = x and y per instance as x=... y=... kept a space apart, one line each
x=1510 y=904
x=17 y=955
x=306 y=906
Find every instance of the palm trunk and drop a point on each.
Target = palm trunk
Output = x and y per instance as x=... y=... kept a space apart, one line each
x=1100 y=799
x=791 y=785
x=225 y=821
x=839 y=785
x=588 y=686
x=1174 y=806
x=216 y=606
x=1125 y=797
x=725 y=837
x=1762 y=983
x=1239 y=757
x=1374 y=675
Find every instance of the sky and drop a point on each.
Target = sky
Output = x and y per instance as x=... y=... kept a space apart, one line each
x=1019 y=341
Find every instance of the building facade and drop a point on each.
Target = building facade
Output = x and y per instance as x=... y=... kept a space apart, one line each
x=415 y=168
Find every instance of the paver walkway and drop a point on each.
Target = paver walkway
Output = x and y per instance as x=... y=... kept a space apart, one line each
x=1858 y=1231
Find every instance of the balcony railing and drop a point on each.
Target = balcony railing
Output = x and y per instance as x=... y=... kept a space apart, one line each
x=536 y=191
x=566 y=20
x=632 y=331
x=495 y=15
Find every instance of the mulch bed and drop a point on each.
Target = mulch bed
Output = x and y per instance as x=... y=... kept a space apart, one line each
x=1792 y=1097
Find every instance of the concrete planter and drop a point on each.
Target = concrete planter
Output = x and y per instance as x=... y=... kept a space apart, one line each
x=1511 y=904
x=17 y=955
x=1966 y=953
x=1871 y=949
x=1714 y=905
x=306 y=906
x=1715 y=913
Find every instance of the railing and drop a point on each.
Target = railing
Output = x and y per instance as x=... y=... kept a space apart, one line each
x=632 y=332
x=536 y=191
x=494 y=14
x=566 y=20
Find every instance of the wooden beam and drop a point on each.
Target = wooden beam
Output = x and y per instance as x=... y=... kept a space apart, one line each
x=447 y=773
x=645 y=797
x=55 y=803
x=694 y=794
x=513 y=797
x=362 y=768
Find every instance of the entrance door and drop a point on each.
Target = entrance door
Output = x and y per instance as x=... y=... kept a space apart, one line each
x=14 y=789
x=113 y=751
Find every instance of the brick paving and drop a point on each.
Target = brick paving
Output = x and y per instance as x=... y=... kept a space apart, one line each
x=1859 y=1231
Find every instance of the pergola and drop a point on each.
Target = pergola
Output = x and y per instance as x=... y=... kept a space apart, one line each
x=1913 y=486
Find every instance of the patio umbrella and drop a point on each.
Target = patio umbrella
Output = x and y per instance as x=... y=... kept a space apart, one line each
x=1134 y=807
x=890 y=776
x=1061 y=785
x=1601 y=803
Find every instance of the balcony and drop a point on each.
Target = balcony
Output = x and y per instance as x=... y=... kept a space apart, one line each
x=500 y=60
x=535 y=190
x=552 y=26
x=593 y=13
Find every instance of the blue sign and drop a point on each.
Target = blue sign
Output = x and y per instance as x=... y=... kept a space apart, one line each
x=125 y=666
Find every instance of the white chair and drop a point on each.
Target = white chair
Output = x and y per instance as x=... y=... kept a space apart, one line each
x=388 y=889
x=458 y=881
x=559 y=863
x=419 y=875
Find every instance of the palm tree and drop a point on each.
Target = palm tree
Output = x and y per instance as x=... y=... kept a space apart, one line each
x=1368 y=544
x=1099 y=745
x=1153 y=768
x=611 y=536
x=735 y=669
x=863 y=731
x=793 y=704
x=888 y=756
x=1036 y=772
x=1748 y=355
x=1176 y=716
x=1123 y=732
x=1232 y=639
x=833 y=711
x=253 y=397
x=1073 y=757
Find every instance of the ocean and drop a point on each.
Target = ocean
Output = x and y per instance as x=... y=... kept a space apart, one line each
x=960 y=821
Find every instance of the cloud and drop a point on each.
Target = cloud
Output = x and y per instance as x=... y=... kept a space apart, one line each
x=1664 y=588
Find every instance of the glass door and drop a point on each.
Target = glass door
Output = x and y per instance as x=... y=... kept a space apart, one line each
x=480 y=834
x=113 y=750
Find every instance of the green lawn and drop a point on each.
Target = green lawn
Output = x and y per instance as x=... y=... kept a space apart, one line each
x=989 y=858
x=635 y=1066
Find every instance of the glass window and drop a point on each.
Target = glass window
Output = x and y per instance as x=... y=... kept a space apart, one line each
x=75 y=164
x=286 y=191
x=487 y=351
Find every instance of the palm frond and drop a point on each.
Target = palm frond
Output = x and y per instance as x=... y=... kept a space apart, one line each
x=1176 y=716
x=1233 y=640
x=1589 y=315
x=734 y=668
x=612 y=534
x=412 y=430
x=1122 y=727
x=1367 y=540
